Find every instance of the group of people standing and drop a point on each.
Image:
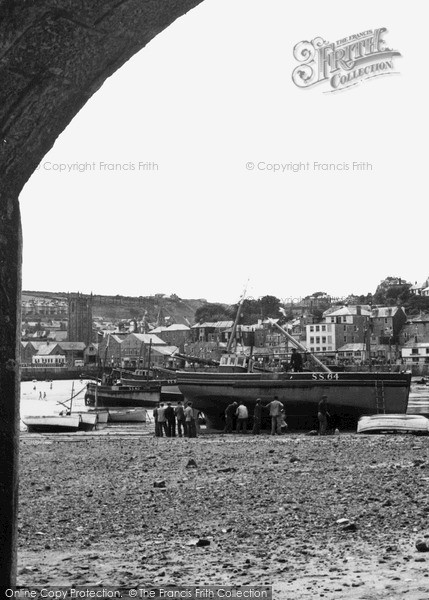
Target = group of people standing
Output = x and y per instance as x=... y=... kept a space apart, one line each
x=240 y=411
x=168 y=417
x=277 y=416
x=183 y=420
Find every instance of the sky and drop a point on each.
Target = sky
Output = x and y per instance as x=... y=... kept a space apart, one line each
x=184 y=212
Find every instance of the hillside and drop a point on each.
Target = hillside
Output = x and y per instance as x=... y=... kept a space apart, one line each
x=114 y=308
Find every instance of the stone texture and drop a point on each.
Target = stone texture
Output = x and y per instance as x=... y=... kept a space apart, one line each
x=54 y=54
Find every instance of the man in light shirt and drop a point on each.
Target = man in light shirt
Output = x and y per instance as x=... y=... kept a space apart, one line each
x=242 y=416
x=162 y=421
x=276 y=407
x=190 y=428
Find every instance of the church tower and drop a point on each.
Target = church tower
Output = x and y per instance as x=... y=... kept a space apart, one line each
x=80 y=318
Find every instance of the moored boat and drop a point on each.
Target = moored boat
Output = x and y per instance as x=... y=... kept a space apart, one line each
x=350 y=395
x=127 y=415
x=123 y=396
x=416 y=424
x=166 y=378
x=102 y=416
x=52 y=424
x=87 y=421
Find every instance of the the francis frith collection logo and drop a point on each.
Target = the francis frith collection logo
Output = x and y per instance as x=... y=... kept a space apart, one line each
x=344 y=63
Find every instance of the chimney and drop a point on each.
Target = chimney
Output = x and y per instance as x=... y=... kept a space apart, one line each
x=358 y=310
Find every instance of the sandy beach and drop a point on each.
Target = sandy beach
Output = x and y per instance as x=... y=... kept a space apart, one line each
x=128 y=509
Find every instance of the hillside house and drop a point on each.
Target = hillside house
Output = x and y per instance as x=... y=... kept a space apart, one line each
x=415 y=329
x=339 y=326
x=216 y=332
x=176 y=334
x=386 y=324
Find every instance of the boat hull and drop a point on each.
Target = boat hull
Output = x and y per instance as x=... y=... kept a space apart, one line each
x=87 y=421
x=415 y=424
x=128 y=415
x=53 y=424
x=350 y=395
x=169 y=389
x=102 y=415
x=118 y=396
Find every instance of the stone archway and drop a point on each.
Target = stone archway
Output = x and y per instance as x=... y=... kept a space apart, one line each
x=54 y=55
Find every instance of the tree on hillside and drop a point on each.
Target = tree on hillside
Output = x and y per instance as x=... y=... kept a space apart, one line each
x=270 y=307
x=254 y=309
x=250 y=311
x=392 y=290
x=368 y=299
x=415 y=304
x=213 y=311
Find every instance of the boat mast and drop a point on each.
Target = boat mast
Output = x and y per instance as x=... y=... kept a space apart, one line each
x=71 y=397
x=234 y=327
x=140 y=355
x=148 y=359
x=300 y=346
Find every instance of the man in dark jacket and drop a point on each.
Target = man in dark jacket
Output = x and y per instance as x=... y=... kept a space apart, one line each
x=229 y=415
x=323 y=415
x=257 y=417
x=155 y=416
x=171 y=420
x=296 y=361
x=180 y=416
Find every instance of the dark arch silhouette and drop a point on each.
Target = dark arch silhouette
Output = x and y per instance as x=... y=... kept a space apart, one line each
x=54 y=55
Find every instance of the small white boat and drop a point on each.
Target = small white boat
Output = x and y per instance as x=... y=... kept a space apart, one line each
x=127 y=415
x=416 y=424
x=87 y=421
x=102 y=416
x=52 y=424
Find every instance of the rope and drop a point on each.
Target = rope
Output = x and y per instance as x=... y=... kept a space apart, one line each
x=71 y=398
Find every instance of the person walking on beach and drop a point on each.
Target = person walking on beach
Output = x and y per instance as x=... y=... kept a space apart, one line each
x=180 y=416
x=229 y=416
x=323 y=415
x=162 y=421
x=275 y=407
x=257 y=417
x=242 y=416
x=171 y=420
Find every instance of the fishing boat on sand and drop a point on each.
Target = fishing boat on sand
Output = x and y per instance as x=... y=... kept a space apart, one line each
x=350 y=395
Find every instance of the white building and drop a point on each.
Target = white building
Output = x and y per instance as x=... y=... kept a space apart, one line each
x=320 y=337
x=415 y=353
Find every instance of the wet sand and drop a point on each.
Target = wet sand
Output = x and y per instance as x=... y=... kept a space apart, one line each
x=268 y=506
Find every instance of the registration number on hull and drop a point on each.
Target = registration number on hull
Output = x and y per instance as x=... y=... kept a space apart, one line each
x=325 y=376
